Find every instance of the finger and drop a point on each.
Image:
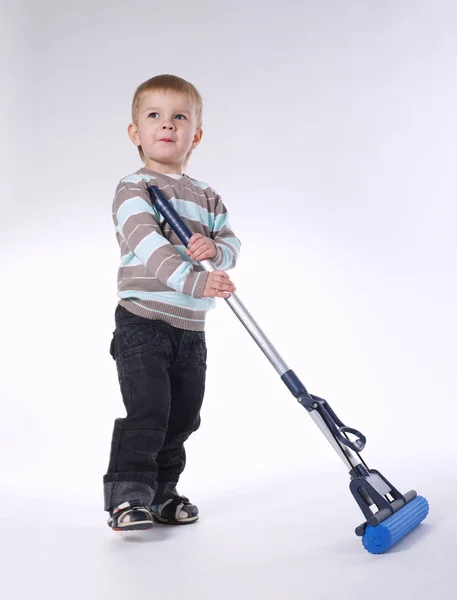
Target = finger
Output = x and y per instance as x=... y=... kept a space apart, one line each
x=194 y=248
x=214 y=291
x=223 y=294
x=210 y=251
x=196 y=252
x=201 y=244
x=225 y=287
x=203 y=254
x=198 y=241
x=195 y=237
x=222 y=281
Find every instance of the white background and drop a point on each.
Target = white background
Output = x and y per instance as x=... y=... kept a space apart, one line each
x=330 y=131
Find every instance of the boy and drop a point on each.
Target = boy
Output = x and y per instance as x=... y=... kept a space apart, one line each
x=164 y=294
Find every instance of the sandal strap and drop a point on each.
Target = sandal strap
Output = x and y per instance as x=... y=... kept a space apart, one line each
x=173 y=507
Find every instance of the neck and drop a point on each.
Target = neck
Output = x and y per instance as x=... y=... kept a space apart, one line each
x=164 y=168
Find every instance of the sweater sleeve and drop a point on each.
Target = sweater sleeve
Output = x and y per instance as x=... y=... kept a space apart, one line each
x=227 y=244
x=137 y=223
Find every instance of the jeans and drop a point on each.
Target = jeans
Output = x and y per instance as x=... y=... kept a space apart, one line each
x=161 y=371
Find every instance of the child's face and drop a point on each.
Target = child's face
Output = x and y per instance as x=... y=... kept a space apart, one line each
x=166 y=130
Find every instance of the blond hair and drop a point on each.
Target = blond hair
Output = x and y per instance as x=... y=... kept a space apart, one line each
x=165 y=83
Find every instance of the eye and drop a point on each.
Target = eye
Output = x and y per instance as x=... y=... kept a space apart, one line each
x=181 y=117
x=154 y=115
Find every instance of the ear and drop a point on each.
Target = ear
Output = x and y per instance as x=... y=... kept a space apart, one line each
x=197 y=138
x=133 y=134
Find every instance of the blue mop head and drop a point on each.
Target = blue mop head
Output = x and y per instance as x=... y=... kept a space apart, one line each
x=382 y=537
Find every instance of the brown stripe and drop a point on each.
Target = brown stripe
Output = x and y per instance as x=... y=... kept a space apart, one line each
x=192 y=320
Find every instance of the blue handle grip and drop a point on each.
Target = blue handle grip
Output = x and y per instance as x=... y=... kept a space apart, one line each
x=170 y=215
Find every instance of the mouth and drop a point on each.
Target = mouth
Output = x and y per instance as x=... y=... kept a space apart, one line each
x=166 y=140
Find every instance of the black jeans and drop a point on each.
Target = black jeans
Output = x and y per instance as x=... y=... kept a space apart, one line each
x=161 y=371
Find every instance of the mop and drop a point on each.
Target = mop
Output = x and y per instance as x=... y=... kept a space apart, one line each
x=389 y=515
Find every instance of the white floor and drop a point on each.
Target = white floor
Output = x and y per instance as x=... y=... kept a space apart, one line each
x=273 y=540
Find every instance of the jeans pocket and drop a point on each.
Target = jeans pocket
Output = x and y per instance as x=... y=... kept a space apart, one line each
x=112 y=348
x=140 y=337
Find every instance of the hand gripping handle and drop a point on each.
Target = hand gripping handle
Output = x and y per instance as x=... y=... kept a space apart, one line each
x=183 y=232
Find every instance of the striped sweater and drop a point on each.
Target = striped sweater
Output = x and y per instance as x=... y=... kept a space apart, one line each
x=156 y=278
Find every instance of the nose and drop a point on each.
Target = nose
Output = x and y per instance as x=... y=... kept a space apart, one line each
x=168 y=125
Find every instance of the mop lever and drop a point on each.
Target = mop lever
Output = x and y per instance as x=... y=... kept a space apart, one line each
x=337 y=427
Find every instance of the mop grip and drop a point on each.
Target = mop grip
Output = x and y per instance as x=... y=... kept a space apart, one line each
x=170 y=215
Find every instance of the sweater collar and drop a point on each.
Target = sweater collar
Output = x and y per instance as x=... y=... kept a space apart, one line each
x=165 y=178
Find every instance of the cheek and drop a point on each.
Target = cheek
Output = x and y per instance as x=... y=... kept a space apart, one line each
x=141 y=134
x=146 y=130
x=189 y=137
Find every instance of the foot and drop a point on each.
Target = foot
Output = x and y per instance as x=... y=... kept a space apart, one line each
x=130 y=516
x=175 y=511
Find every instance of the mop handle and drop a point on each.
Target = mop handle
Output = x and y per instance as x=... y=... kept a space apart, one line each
x=184 y=233
x=331 y=424
x=170 y=215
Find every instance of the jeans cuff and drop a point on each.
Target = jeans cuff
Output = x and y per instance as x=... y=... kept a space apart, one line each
x=125 y=490
x=165 y=491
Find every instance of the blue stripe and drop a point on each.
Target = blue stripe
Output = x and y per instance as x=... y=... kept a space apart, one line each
x=219 y=222
x=173 y=298
x=149 y=245
x=177 y=279
x=182 y=252
x=192 y=211
x=227 y=257
x=130 y=207
x=185 y=208
x=233 y=242
x=200 y=184
x=136 y=178
x=130 y=260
